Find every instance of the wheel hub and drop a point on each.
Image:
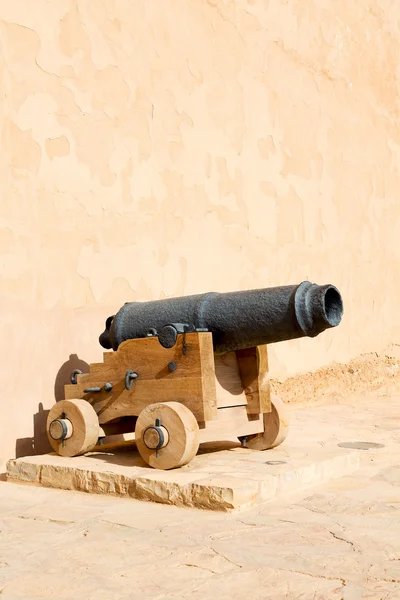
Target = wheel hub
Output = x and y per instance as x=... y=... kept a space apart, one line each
x=61 y=429
x=156 y=436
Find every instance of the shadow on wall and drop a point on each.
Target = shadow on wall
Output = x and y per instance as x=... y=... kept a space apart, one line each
x=64 y=374
x=39 y=444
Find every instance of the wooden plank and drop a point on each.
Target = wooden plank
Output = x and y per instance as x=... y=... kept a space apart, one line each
x=147 y=357
x=121 y=402
x=82 y=378
x=253 y=369
x=208 y=376
x=94 y=368
x=192 y=383
x=231 y=424
x=107 y=356
x=230 y=390
x=116 y=442
x=119 y=427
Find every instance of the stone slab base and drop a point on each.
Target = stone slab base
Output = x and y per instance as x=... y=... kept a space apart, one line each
x=222 y=476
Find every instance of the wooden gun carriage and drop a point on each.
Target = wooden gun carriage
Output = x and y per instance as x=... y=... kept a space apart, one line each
x=189 y=370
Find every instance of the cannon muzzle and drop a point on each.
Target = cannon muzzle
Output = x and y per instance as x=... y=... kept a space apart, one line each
x=237 y=320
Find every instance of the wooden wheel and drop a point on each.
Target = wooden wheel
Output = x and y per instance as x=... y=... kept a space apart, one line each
x=276 y=427
x=167 y=435
x=72 y=427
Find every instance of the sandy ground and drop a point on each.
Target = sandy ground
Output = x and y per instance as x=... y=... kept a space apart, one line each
x=369 y=375
x=340 y=541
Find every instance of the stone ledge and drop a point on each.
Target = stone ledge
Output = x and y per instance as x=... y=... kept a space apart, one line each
x=228 y=478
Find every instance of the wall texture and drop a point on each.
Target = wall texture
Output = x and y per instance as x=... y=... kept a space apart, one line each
x=152 y=148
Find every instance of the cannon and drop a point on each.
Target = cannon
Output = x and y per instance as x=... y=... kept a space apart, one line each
x=183 y=371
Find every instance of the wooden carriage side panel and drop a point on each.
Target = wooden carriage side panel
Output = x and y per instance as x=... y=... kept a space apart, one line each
x=147 y=357
x=121 y=402
x=254 y=373
x=232 y=422
x=233 y=418
x=209 y=395
x=192 y=382
x=229 y=385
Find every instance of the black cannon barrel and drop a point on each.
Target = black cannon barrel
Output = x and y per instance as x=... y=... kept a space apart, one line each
x=237 y=320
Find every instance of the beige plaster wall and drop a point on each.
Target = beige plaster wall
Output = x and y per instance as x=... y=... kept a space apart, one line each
x=156 y=148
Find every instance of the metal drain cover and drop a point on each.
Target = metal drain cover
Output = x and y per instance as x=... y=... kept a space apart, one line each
x=360 y=445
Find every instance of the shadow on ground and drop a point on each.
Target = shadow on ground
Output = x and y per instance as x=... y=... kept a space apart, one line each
x=128 y=455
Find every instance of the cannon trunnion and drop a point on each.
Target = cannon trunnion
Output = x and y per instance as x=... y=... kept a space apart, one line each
x=189 y=370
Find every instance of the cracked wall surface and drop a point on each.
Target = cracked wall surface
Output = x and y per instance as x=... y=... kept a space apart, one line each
x=155 y=149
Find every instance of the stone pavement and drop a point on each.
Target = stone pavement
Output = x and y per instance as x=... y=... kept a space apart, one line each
x=340 y=541
x=223 y=475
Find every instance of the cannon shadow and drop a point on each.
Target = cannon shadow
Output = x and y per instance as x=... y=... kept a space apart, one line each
x=38 y=443
x=64 y=374
x=128 y=455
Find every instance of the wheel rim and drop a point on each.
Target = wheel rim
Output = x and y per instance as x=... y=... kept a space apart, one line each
x=180 y=433
x=72 y=427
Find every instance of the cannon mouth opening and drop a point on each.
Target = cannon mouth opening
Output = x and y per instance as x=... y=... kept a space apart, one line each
x=317 y=307
x=333 y=306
